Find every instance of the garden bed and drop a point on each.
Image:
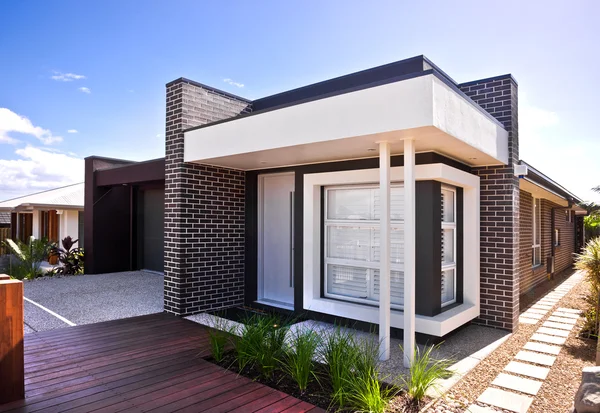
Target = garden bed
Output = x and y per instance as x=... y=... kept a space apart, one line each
x=278 y=356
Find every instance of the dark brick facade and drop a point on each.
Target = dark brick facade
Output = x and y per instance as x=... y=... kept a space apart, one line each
x=204 y=209
x=499 y=272
x=532 y=277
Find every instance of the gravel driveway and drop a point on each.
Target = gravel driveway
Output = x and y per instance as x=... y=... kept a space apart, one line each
x=90 y=299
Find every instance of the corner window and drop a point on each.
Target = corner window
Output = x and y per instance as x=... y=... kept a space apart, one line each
x=537 y=233
x=352 y=243
x=448 y=245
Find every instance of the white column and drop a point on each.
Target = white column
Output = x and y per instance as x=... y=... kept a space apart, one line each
x=35 y=224
x=384 y=269
x=409 y=251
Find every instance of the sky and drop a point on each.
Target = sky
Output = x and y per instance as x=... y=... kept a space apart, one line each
x=88 y=78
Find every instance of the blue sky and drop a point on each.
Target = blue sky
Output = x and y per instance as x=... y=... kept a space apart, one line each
x=88 y=78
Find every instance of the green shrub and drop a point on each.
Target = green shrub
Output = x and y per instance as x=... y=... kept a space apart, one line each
x=589 y=261
x=71 y=259
x=220 y=335
x=261 y=344
x=298 y=360
x=424 y=373
x=364 y=391
x=339 y=352
x=28 y=257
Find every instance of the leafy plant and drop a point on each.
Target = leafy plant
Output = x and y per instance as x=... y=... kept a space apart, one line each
x=589 y=261
x=339 y=353
x=298 y=359
x=261 y=344
x=28 y=257
x=364 y=391
x=70 y=258
x=220 y=335
x=424 y=373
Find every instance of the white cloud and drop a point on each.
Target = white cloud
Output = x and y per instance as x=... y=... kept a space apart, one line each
x=232 y=83
x=84 y=89
x=38 y=169
x=12 y=122
x=66 y=77
x=72 y=131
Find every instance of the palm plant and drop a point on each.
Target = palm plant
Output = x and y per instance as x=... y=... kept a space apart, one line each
x=29 y=257
x=589 y=261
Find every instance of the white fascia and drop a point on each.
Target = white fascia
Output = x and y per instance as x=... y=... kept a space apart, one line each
x=439 y=325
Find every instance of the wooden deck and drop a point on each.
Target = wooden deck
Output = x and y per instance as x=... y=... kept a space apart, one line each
x=140 y=364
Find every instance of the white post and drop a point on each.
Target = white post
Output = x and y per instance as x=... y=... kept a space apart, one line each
x=384 y=269
x=409 y=251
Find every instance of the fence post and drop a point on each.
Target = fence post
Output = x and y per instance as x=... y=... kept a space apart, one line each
x=12 y=362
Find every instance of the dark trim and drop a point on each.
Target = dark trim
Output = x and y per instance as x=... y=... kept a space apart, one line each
x=460 y=230
x=210 y=88
x=251 y=239
x=132 y=174
x=428 y=248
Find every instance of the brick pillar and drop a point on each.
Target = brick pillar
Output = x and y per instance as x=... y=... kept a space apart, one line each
x=204 y=208
x=499 y=208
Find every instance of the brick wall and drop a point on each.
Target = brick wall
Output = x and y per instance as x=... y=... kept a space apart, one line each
x=532 y=277
x=500 y=261
x=204 y=209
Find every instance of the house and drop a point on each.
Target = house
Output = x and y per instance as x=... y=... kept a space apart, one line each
x=395 y=179
x=51 y=214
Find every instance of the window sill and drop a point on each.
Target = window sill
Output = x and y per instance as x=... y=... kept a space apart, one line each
x=535 y=267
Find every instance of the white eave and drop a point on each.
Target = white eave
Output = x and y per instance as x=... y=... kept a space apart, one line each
x=349 y=125
x=67 y=197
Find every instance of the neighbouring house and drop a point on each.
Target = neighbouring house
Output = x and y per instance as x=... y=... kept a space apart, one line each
x=288 y=202
x=51 y=214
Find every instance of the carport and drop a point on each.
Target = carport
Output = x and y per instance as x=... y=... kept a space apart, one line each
x=124 y=215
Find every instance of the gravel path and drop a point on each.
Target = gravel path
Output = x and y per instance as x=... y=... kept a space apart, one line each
x=90 y=299
x=558 y=390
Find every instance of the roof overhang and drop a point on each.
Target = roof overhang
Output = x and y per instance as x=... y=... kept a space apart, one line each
x=349 y=125
x=541 y=186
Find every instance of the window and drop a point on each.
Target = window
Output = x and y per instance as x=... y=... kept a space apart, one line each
x=352 y=243
x=556 y=237
x=448 y=246
x=537 y=233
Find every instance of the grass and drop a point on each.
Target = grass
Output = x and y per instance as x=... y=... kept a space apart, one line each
x=424 y=373
x=220 y=335
x=339 y=353
x=364 y=392
x=298 y=360
x=261 y=344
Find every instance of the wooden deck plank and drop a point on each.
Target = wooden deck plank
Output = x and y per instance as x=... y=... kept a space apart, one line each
x=146 y=363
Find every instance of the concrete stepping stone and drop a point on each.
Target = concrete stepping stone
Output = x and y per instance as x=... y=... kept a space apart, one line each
x=545 y=338
x=506 y=400
x=560 y=326
x=563 y=320
x=542 y=307
x=527 y=370
x=532 y=315
x=565 y=315
x=478 y=409
x=508 y=381
x=553 y=332
x=536 y=311
x=526 y=320
x=542 y=348
x=536 y=358
x=568 y=310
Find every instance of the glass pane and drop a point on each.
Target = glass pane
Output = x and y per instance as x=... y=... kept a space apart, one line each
x=352 y=243
x=396 y=203
x=396 y=246
x=396 y=286
x=347 y=281
x=351 y=203
x=537 y=256
x=448 y=246
x=448 y=286
x=447 y=206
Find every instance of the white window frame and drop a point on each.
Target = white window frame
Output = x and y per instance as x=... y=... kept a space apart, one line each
x=371 y=265
x=453 y=227
x=537 y=233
